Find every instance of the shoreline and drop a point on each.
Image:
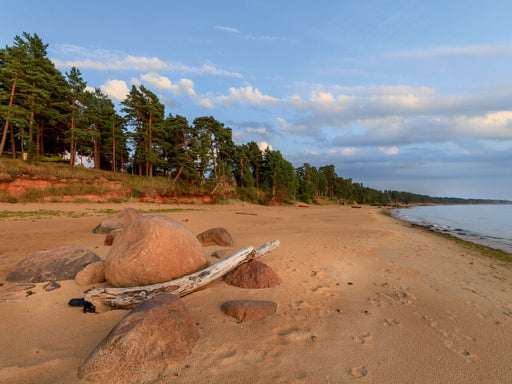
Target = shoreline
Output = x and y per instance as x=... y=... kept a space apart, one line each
x=363 y=296
x=464 y=235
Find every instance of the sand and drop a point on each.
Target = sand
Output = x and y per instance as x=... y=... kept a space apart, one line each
x=364 y=298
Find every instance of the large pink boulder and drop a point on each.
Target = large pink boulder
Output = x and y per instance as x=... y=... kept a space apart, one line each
x=156 y=335
x=153 y=249
x=118 y=220
x=58 y=264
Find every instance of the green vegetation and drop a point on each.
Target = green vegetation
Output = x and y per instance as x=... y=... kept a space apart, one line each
x=386 y=212
x=45 y=114
x=167 y=210
x=489 y=252
x=39 y=214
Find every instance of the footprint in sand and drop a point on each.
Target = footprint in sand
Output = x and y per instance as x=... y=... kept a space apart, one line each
x=399 y=295
x=359 y=372
x=450 y=344
x=470 y=358
x=452 y=315
x=362 y=338
x=391 y=322
x=293 y=334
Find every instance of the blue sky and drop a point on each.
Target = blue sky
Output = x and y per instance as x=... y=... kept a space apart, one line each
x=404 y=95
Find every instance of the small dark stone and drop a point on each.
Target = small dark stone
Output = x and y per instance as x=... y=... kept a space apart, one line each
x=78 y=302
x=89 y=307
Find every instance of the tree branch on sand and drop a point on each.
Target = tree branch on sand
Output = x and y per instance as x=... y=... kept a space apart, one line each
x=127 y=298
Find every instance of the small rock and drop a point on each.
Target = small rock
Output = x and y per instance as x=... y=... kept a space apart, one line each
x=80 y=302
x=119 y=220
x=212 y=236
x=92 y=274
x=51 y=286
x=220 y=253
x=249 y=310
x=253 y=274
x=109 y=239
x=20 y=287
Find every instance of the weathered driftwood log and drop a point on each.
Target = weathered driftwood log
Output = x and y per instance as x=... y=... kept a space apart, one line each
x=127 y=298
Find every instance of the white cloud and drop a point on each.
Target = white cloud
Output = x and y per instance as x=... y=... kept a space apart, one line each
x=154 y=80
x=206 y=101
x=226 y=29
x=128 y=63
x=246 y=95
x=258 y=131
x=185 y=87
x=116 y=89
x=282 y=124
x=349 y=151
x=496 y=125
x=391 y=151
x=202 y=70
x=496 y=50
x=69 y=55
x=385 y=90
x=263 y=145
x=236 y=31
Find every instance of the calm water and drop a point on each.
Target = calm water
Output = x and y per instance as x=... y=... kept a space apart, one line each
x=490 y=225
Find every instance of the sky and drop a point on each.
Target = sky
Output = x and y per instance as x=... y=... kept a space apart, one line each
x=397 y=94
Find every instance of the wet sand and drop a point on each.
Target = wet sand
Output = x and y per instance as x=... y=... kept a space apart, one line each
x=364 y=298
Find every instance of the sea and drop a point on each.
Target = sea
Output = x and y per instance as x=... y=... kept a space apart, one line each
x=489 y=225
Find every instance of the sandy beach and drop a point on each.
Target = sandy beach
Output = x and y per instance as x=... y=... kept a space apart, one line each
x=364 y=298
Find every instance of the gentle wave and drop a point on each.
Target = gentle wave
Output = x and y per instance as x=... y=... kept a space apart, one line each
x=489 y=225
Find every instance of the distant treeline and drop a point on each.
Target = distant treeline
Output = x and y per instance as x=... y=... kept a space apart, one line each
x=45 y=113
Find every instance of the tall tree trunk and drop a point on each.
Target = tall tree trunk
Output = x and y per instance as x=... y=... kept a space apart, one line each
x=241 y=172
x=72 y=144
x=113 y=146
x=149 y=164
x=6 y=126
x=39 y=142
x=4 y=137
x=96 y=150
x=13 y=144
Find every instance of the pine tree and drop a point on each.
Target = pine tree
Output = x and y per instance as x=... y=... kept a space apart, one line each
x=256 y=161
x=13 y=65
x=179 y=146
x=242 y=166
x=280 y=179
x=215 y=147
x=76 y=132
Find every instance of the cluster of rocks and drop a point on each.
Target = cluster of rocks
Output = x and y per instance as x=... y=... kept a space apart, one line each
x=147 y=250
